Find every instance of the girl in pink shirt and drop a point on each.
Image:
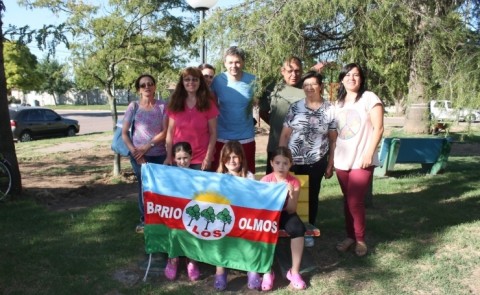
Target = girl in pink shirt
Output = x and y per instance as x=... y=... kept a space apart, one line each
x=289 y=220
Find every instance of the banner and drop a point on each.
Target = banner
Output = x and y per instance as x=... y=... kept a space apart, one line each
x=210 y=217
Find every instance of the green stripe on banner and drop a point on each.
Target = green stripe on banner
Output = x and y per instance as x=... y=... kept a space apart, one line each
x=228 y=252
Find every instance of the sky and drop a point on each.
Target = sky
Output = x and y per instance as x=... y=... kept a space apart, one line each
x=21 y=16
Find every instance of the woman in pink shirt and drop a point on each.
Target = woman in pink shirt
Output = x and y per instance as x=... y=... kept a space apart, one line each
x=192 y=118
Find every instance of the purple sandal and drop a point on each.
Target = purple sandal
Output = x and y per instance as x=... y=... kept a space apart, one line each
x=220 y=282
x=296 y=280
x=254 y=281
x=268 y=279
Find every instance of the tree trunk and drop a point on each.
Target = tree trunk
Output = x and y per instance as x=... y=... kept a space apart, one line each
x=54 y=99
x=416 y=121
x=7 y=146
x=113 y=109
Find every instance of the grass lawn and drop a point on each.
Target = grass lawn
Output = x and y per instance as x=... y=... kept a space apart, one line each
x=423 y=232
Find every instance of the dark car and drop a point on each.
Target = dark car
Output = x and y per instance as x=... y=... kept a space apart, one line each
x=28 y=123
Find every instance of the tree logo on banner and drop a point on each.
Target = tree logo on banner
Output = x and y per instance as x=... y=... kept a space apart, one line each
x=208 y=216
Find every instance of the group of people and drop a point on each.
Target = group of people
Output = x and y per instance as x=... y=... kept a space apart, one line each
x=208 y=124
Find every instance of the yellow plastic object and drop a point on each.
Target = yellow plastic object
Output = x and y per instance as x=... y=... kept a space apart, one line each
x=302 y=206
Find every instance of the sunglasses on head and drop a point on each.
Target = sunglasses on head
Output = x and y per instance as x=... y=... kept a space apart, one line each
x=149 y=84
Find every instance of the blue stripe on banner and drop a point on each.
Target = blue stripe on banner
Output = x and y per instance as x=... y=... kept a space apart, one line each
x=187 y=183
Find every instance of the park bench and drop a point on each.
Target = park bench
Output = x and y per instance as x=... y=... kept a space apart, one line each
x=431 y=153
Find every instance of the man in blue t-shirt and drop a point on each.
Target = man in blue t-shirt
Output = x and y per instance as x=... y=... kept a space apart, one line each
x=234 y=90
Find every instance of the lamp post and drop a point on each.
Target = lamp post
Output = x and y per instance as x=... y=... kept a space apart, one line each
x=202 y=5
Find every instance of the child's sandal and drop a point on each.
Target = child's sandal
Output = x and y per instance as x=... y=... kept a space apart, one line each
x=268 y=279
x=296 y=280
x=171 y=269
x=193 y=271
x=254 y=281
x=220 y=282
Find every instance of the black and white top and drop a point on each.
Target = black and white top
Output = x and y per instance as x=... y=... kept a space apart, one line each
x=309 y=139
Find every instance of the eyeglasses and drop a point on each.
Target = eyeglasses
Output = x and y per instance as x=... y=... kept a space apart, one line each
x=188 y=80
x=149 y=84
x=310 y=85
x=208 y=76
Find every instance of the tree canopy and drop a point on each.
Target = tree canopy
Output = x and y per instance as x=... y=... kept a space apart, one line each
x=413 y=50
x=20 y=67
x=53 y=75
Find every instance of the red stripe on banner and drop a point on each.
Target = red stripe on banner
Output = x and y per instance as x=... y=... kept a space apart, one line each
x=160 y=209
x=258 y=225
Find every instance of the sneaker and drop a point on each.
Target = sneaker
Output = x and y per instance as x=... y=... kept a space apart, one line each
x=139 y=228
x=309 y=242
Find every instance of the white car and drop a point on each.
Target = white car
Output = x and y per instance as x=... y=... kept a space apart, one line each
x=442 y=110
x=467 y=115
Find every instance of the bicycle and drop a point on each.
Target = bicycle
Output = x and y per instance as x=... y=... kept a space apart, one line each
x=5 y=177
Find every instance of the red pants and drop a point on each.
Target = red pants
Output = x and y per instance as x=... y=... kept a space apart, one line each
x=248 y=148
x=354 y=184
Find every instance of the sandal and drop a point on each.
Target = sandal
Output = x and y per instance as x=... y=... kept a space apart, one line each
x=361 y=249
x=344 y=245
x=171 y=269
x=193 y=271
x=268 y=279
x=254 y=280
x=220 y=282
x=296 y=280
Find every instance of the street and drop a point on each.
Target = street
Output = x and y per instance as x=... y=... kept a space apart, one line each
x=91 y=121
x=101 y=121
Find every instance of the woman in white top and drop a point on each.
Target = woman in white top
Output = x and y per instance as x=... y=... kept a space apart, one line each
x=359 y=117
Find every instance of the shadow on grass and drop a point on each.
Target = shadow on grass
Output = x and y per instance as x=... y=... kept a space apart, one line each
x=47 y=252
x=411 y=210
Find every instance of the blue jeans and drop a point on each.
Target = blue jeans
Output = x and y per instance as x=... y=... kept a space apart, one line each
x=137 y=169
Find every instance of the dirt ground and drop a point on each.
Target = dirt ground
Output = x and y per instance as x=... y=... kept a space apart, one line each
x=80 y=188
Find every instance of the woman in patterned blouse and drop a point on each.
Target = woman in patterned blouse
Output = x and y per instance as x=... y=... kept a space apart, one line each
x=309 y=131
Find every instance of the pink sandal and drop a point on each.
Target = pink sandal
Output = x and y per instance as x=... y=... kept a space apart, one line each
x=296 y=280
x=171 y=269
x=193 y=271
x=268 y=279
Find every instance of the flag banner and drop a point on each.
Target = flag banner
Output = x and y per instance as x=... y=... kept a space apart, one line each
x=210 y=217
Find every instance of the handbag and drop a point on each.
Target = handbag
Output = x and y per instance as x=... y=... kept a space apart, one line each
x=118 y=145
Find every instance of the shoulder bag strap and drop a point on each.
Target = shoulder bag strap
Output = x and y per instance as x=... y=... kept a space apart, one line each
x=132 y=119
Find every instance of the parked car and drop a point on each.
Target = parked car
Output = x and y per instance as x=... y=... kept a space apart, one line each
x=28 y=123
x=467 y=115
x=442 y=110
